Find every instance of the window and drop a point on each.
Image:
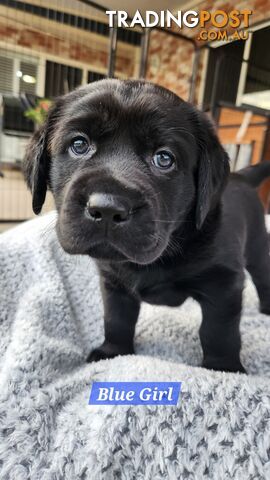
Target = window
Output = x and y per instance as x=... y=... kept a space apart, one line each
x=61 y=79
x=18 y=76
x=94 y=76
x=14 y=122
x=6 y=77
x=28 y=77
x=18 y=73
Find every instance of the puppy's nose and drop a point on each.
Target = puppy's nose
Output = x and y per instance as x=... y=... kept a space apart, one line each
x=103 y=207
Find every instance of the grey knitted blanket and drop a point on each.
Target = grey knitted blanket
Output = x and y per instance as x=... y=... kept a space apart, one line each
x=51 y=317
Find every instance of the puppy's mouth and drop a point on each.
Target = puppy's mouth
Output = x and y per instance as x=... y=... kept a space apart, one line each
x=105 y=251
x=123 y=249
x=110 y=251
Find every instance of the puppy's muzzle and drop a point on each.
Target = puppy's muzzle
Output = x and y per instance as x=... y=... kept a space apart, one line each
x=108 y=219
x=108 y=209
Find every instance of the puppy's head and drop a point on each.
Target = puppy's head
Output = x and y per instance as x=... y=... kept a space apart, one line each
x=127 y=162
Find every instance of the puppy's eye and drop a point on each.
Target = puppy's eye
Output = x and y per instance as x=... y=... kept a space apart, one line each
x=163 y=160
x=79 y=146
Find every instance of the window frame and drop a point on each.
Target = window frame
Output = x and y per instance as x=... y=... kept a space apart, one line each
x=17 y=57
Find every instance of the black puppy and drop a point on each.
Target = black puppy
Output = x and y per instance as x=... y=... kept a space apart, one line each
x=140 y=184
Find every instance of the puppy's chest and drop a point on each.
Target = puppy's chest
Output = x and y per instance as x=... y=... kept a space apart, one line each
x=170 y=294
x=161 y=287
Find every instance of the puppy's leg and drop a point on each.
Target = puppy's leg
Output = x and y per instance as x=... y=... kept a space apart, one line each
x=221 y=301
x=121 y=311
x=258 y=264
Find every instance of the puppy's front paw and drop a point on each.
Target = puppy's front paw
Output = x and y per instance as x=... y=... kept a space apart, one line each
x=223 y=367
x=109 y=350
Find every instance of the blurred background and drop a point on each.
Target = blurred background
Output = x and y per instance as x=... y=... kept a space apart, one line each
x=48 y=48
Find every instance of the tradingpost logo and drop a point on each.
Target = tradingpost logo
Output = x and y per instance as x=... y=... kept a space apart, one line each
x=211 y=25
x=220 y=25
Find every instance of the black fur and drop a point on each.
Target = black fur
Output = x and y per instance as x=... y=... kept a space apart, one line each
x=177 y=233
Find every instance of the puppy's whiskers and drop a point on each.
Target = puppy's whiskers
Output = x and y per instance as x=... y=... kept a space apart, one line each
x=175 y=247
x=163 y=221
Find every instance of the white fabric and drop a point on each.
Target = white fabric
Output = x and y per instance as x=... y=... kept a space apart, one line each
x=51 y=318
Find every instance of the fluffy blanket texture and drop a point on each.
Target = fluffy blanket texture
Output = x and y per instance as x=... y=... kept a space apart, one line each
x=51 y=317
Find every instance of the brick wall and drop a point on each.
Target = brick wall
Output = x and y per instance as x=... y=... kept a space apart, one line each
x=87 y=51
x=170 y=62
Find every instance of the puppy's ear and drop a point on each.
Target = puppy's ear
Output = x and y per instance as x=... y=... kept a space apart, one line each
x=35 y=168
x=36 y=163
x=213 y=170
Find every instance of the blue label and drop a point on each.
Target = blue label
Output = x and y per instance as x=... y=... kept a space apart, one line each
x=135 y=393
